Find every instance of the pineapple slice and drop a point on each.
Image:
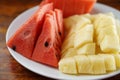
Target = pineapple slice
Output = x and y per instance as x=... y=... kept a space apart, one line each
x=68 y=43
x=110 y=44
x=68 y=65
x=70 y=32
x=98 y=64
x=87 y=16
x=96 y=19
x=117 y=59
x=69 y=53
x=88 y=48
x=118 y=26
x=107 y=30
x=82 y=23
x=76 y=21
x=83 y=36
x=83 y=64
x=109 y=61
x=102 y=20
x=118 y=29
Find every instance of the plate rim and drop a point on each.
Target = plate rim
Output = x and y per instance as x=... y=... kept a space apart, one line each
x=11 y=52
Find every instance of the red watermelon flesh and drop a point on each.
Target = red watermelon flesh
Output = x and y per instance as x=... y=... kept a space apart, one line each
x=58 y=37
x=45 y=51
x=59 y=18
x=72 y=7
x=24 y=39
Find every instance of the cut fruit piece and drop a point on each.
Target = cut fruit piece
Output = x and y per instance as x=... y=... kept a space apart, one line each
x=82 y=22
x=110 y=44
x=105 y=27
x=24 y=39
x=58 y=37
x=80 y=6
x=105 y=31
x=88 y=48
x=59 y=18
x=68 y=43
x=76 y=21
x=103 y=20
x=98 y=64
x=109 y=61
x=118 y=29
x=85 y=35
x=118 y=26
x=83 y=64
x=117 y=59
x=68 y=65
x=69 y=53
x=45 y=50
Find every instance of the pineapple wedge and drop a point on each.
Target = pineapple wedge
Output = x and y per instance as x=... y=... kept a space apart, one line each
x=69 y=53
x=118 y=29
x=76 y=21
x=83 y=64
x=97 y=64
x=83 y=36
x=88 y=48
x=110 y=44
x=87 y=16
x=82 y=23
x=109 y=61
x=117 y=59
x=105 y=31
x=102 y=20
x=68 y=43
x=68 y=65
x=105 y=26
x=96 y=20
x=118 y=26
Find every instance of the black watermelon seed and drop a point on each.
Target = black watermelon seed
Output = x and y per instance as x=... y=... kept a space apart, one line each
x=46 y=44
x=58 y=57
x=60 y=33
x=14 y=48
x=26 y=33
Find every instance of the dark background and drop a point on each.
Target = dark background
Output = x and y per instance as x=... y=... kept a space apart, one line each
x=9 y=68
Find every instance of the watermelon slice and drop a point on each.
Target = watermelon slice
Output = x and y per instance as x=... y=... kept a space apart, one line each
x=72 y=7
x=46 y=50
x=58 y=37
x=24 y=39
x=59 y=18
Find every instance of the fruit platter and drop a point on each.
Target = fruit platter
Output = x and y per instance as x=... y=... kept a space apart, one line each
x=61 y=43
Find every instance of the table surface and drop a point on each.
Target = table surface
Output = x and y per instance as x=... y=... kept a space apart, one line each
x=10 y=69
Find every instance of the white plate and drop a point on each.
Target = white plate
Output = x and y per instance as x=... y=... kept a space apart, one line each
x=47 y=71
